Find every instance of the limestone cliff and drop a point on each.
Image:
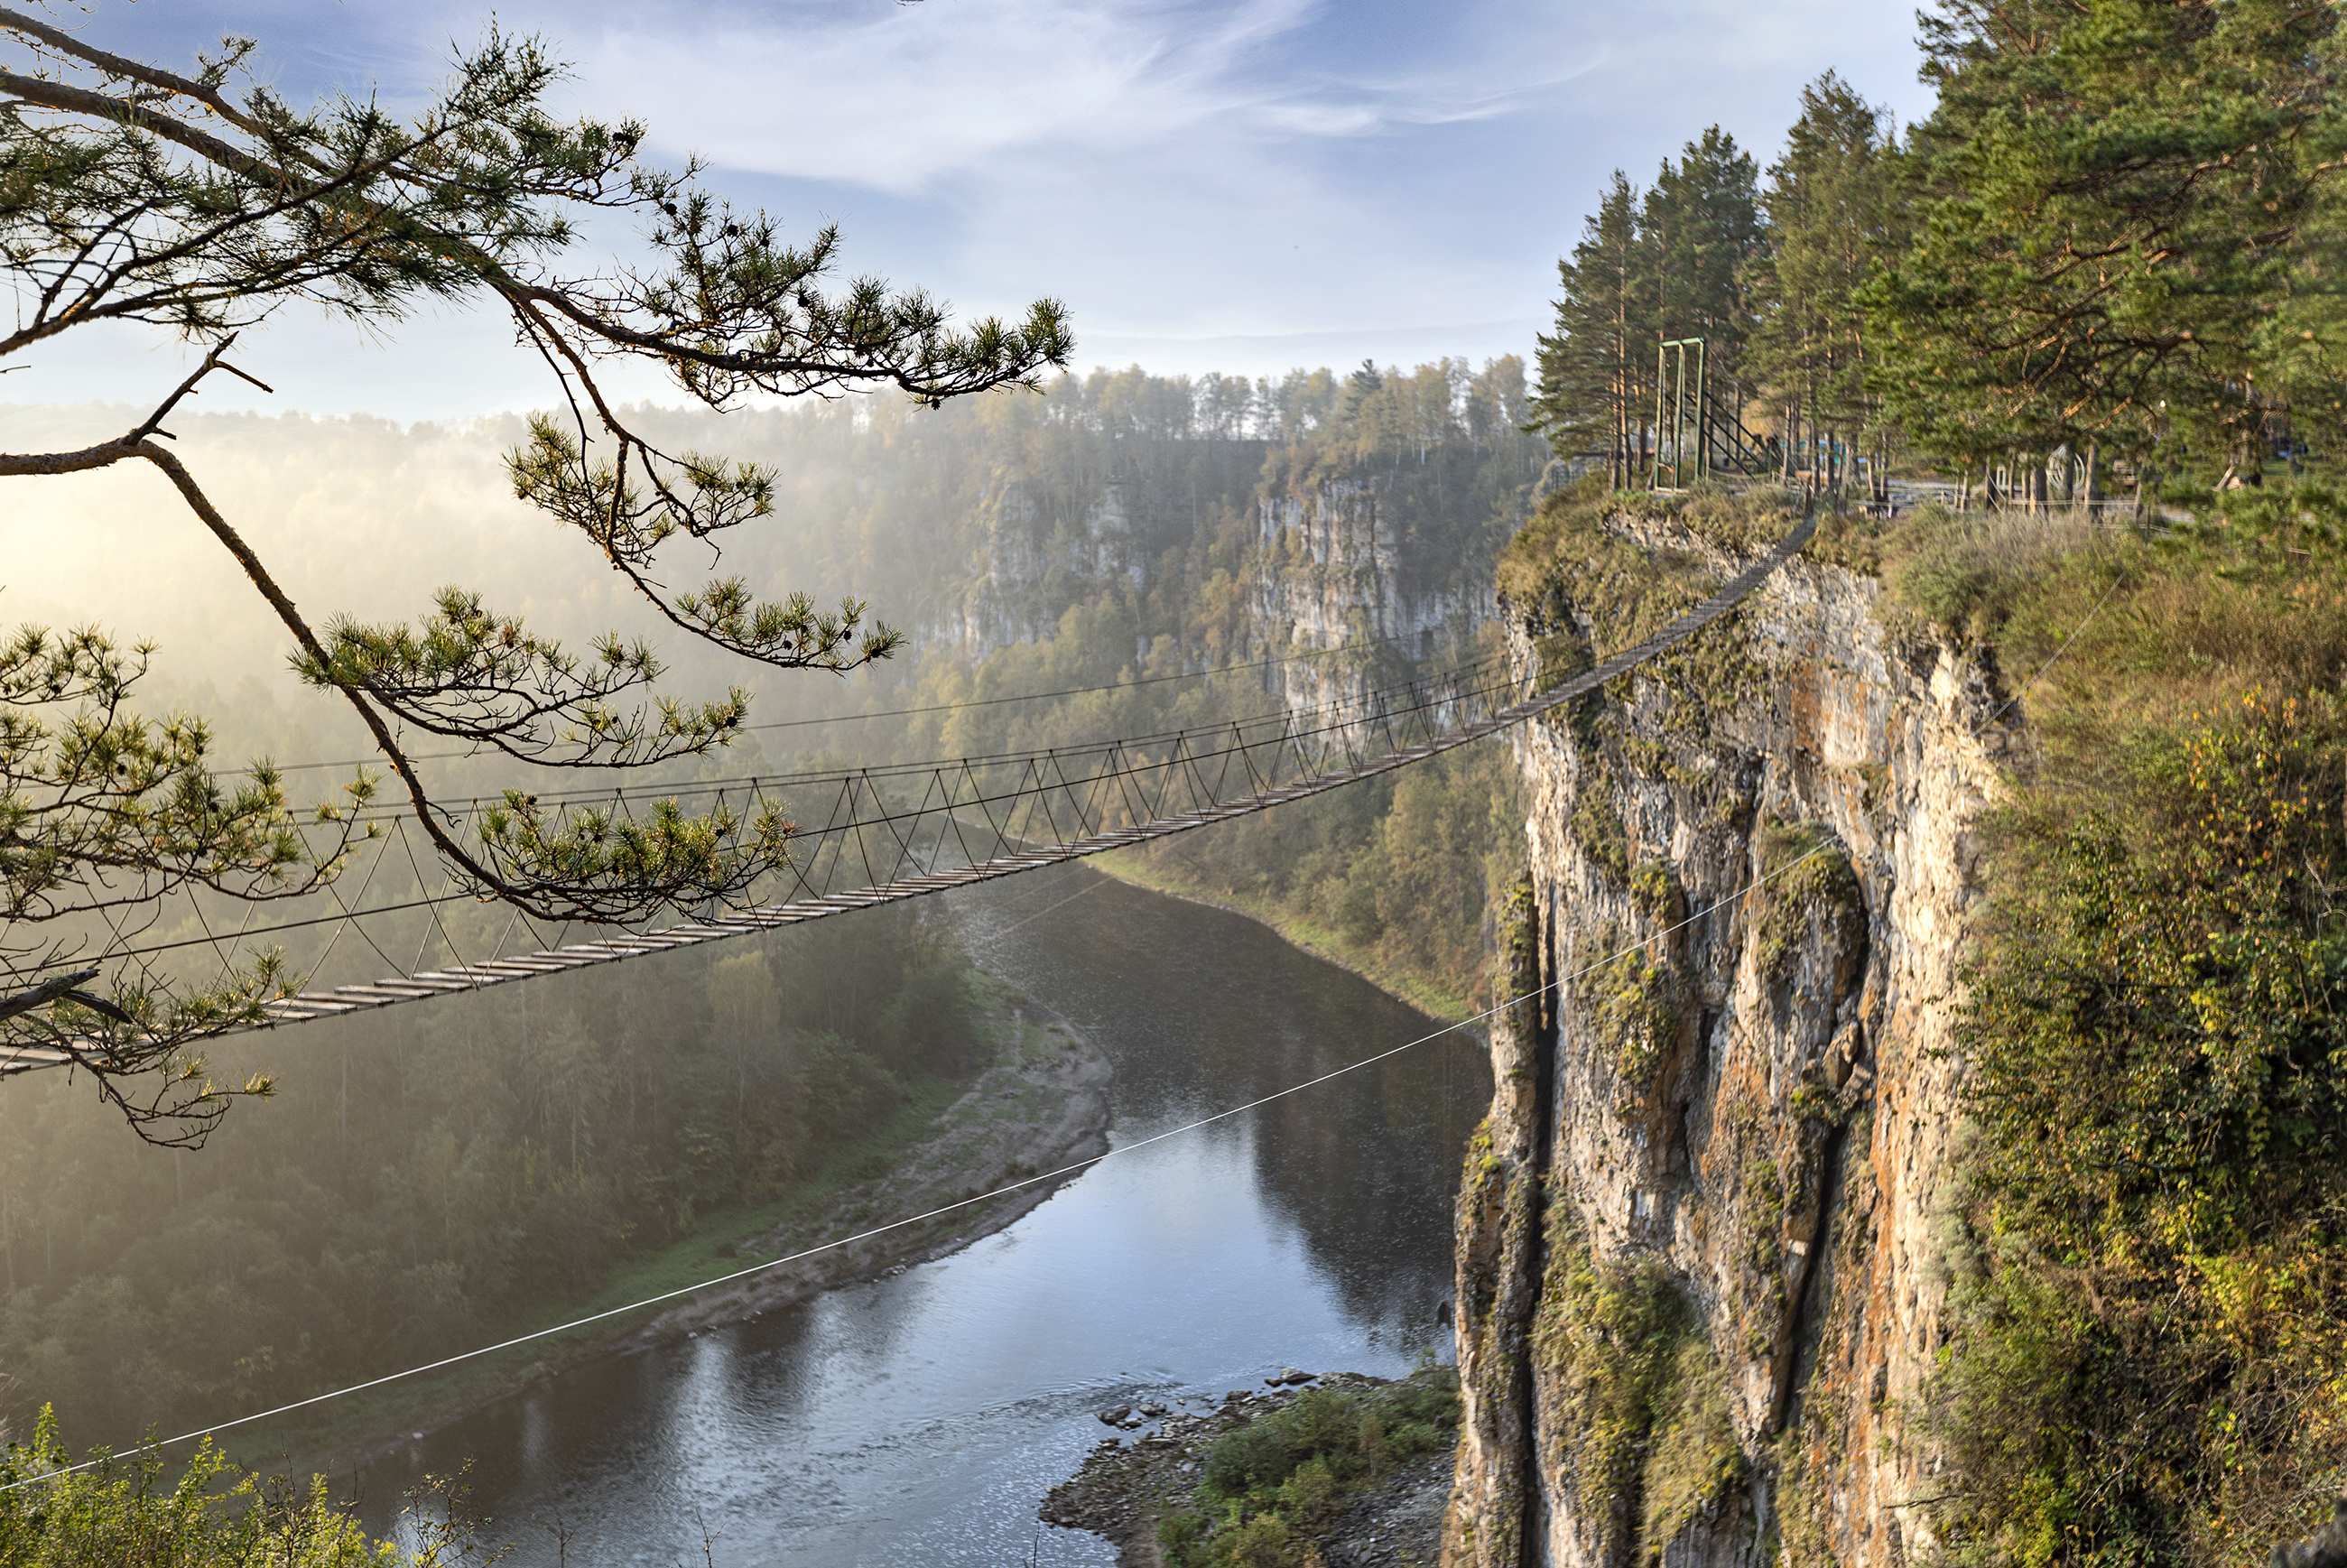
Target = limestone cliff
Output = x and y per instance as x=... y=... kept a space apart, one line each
x=1338 y=564
x=1340 y=554
x=1043 y=536
x=1699 y=1281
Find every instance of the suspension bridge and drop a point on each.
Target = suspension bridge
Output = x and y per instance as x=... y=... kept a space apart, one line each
x=905 y=831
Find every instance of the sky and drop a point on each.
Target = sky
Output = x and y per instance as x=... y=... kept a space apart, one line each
x=1244 y=186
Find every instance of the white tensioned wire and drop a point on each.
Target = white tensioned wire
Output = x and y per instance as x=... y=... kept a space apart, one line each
x=1067 y=1170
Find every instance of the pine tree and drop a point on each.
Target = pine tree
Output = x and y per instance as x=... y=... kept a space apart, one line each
x=2128 y=217
x=1591 y=380
x=1702 y=223
x=1663 y=264
x=200 y=203
x=1832 y=211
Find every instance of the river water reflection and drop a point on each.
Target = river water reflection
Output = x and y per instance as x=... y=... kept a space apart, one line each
x=922 y=1418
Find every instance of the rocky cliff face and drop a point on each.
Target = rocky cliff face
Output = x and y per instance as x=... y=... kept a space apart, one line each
x=1391 y=564
x=1699 y=1286
x=1032 y=560
x=1337 y=568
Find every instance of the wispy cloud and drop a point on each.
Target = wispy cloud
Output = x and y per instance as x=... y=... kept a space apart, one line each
x=1249 y=178
x=908 y=98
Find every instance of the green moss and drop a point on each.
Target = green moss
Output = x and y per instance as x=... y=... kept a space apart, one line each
x=1710 y=677
x=1809 y=881
x=1693 y=1457
x=1584 y=592
x=1644 y=1394
x=1645 y=758
x=1764 y=1214
x=1565 y=572
x=1654 y=892
x=1520 y=929
x=1597 y=828
x=1635 y=1006
x=1566 y=538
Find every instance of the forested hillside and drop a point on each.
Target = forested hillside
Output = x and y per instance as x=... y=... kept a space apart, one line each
x=436 y=1178
x=1310 y=536
x=1358 y=520
x=433 y=1177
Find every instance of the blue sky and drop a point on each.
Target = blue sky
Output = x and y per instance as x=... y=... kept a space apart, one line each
x=1242 y=185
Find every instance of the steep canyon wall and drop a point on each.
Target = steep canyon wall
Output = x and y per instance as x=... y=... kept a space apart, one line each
x=1389 y=563
x=1700 y=1288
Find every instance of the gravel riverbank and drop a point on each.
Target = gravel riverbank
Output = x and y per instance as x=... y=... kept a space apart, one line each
x=1042 y=1107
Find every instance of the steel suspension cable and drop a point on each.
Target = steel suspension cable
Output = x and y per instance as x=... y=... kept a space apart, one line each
x=1070 y=1169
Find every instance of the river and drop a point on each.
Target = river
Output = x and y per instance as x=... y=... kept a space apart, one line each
x=920 y=1417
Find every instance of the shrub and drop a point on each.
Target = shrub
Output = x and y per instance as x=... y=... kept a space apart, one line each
x=2154 y=1268
x=214 y=1514
x=1269 y=1485
x=1965 y=574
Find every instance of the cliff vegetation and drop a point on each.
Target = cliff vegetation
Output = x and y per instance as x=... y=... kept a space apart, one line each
x=2137 y=1217
x=2150 y=1268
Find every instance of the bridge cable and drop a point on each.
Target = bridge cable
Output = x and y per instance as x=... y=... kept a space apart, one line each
x=1091 y=840
x=399 y=818
x=1556 y=985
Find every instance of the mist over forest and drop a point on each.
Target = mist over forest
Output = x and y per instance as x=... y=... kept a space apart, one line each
x=1110 y=530
x=1095 y=538
x=878 y=499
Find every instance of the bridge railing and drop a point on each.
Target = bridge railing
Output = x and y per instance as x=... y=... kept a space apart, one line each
x=873 y=835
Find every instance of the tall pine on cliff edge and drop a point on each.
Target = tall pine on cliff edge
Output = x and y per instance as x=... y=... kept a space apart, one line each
x=2129 y=227
x=1667 y=265
x=1832 y=212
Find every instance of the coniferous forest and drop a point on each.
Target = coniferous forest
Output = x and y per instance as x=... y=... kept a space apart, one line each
x=2108 y=250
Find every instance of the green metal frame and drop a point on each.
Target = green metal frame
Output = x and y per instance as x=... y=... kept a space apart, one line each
x=1676 y=394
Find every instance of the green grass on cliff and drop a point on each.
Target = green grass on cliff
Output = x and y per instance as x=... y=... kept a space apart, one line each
x=2149 y=1240
x=1585 y=589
